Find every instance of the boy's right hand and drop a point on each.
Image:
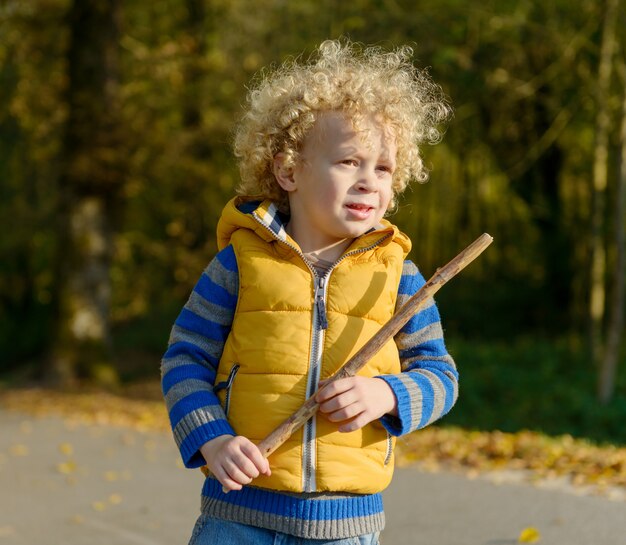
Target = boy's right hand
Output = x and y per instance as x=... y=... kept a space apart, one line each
x=234 y=461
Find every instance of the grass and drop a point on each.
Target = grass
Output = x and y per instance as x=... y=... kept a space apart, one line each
x=541 y=385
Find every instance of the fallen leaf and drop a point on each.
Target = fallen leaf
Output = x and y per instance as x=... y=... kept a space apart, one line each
x=66 y=448
x=19 y=450
x=115 y=499
x=529 y=535
x=67 y=467
x=98 y=505
x=579 y=462
x=111 y=476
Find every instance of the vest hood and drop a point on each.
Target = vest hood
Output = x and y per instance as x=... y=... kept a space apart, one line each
x=267 y=222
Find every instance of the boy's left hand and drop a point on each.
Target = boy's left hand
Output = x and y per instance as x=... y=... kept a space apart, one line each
x=355 y=401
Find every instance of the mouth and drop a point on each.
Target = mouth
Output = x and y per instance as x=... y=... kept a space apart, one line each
x=359 y=207
x=359 y=211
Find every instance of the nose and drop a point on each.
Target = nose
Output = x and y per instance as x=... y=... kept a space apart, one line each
x=367 y=182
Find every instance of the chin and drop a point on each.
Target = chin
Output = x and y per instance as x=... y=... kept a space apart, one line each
x=357 y=232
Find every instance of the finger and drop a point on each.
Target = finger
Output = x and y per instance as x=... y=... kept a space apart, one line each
x=331 y=389
x=353 y=425
x=249 y=464
x=236 y=473
x=227 y=483
x=347 y=428
x=339 y=402
x=230 y=485
x=345 y=413
x=356 y=423
x=322 y=394
x=254 y=455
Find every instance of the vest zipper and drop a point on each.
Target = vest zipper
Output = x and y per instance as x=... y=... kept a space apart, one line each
x=389 y=449
x=320 y=300
x=320 y=324
x=227 y=385
x=229 y=388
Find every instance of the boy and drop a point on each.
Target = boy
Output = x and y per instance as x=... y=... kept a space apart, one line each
x=308 y=270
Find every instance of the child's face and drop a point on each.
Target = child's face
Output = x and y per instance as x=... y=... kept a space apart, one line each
x=341 y=187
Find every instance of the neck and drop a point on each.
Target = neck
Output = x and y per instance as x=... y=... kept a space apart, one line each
x=327 y=251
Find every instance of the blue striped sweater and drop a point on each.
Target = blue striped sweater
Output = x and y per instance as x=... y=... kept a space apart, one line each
x=425 y=390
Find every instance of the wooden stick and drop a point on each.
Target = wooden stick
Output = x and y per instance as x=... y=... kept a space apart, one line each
x=371 y=347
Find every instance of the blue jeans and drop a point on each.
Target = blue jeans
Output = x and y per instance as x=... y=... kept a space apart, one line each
x=210 y=531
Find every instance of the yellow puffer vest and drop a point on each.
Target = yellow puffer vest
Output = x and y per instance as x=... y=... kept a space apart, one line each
x=277 y=352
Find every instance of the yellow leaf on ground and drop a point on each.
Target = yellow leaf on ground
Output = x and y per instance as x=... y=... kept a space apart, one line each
x=115 y=499
x=98 y=506
x=529 y=535
x=111 y=476
x=19 y=450
x=67 y=467
x=577 y=461
x=66 y=448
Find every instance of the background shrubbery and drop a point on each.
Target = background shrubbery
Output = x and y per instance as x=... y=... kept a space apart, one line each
x=146 y=136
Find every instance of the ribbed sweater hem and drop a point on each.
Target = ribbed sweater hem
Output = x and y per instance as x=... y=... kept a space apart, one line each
x=327 y=516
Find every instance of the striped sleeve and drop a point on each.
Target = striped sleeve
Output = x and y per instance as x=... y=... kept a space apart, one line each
x=427 y=388
x=189 y=366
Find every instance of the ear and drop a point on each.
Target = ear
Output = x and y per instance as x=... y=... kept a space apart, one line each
x=283 y=172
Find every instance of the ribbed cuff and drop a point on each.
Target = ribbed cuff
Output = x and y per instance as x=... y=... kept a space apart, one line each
x=190 y=447
x=401 y=424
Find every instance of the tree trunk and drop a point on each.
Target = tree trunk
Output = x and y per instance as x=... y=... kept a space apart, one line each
x=600 y=175
x=606 y=383
x=90 y=183
x=194 y=73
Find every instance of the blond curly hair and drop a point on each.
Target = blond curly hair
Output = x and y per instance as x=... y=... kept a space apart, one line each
x=342 y=76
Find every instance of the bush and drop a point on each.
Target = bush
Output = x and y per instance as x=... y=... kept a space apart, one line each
x=542 y=385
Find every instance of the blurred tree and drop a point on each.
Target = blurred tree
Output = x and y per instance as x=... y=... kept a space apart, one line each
x=615 y=323
x=516 y=161
x=597 y=303
x=91 y=179
x=32 y=44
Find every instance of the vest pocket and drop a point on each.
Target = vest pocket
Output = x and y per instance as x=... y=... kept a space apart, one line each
x=389 y=452
x=227 y=385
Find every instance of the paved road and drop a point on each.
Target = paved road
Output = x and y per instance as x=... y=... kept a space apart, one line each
x=63 y=484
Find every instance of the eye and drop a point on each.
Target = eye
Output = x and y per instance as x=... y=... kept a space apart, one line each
x=349 y=162
x=385 y=169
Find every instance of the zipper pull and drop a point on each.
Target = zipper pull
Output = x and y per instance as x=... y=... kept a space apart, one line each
x=226 y=384
x=319 y=302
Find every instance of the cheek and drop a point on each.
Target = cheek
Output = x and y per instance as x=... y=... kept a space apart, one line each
x=385 y=196
x=330 y=194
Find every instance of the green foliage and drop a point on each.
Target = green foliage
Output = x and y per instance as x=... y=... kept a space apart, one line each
x=515 y=161
x=541 y=385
